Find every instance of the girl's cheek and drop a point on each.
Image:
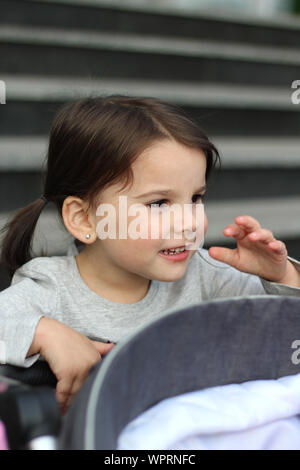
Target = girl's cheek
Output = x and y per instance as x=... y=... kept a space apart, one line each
x=205 y=223
x=140 y=227
x=154 y=228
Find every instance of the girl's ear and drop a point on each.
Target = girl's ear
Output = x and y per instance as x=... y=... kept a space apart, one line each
x=78 y=221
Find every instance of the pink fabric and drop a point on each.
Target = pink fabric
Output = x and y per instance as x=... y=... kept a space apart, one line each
x=3 y=387
x=3 y=440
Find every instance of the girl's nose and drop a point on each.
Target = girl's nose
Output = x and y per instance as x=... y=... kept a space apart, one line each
x=193 y=221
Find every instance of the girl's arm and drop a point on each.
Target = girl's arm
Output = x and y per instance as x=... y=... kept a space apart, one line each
x=257 y=252
x=28 y=329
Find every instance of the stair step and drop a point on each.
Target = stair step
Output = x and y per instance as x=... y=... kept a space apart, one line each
x=222 y=110
x=280 y=215
x=29 y=87
x=35 y=117
x=28 y=153
x=22 y=153
x=154 y=18
x=25 y=49
x=19 y=188
x=259 y=152
x=149 y=44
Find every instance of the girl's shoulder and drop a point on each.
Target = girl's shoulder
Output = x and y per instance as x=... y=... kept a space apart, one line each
x=44 y=268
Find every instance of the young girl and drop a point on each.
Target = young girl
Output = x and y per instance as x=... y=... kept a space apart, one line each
x=66 y=308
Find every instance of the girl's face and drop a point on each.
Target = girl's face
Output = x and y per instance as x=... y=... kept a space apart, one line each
x=165 y=166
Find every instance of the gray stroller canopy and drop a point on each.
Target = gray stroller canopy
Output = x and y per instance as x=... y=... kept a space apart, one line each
x=204 y=345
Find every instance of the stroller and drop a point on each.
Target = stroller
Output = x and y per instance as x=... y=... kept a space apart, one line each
x=198 y=349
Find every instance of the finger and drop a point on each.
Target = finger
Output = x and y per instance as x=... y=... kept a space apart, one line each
x=262 y=235
x=224 y=255
x=103 y=348
x=77 y=384
x=234 y=231
x=278 y=247
x=63 y=391
x=249 y=223
x=67 y=389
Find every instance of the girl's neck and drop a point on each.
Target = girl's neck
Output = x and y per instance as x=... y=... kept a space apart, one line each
x=107 y=284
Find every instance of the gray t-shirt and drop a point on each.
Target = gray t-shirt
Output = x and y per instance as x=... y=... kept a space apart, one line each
x=52 y=287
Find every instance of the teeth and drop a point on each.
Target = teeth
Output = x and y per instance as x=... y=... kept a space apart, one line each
x=173 y=251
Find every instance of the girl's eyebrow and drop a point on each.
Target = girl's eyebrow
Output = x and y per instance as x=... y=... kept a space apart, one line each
x=165 y=192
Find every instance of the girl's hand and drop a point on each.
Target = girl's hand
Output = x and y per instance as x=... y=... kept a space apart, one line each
x=69 y=354
x=257 y=252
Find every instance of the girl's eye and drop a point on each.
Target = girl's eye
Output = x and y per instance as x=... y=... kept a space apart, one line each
x=199 y=196
x=164 y=201
x=157 y=203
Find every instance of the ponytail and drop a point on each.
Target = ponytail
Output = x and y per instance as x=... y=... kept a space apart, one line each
x=19 y=230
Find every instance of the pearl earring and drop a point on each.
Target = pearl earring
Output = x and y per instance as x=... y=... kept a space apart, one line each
x=88 y=236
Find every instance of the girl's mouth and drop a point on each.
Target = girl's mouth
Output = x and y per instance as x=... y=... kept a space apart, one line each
x=179 y=254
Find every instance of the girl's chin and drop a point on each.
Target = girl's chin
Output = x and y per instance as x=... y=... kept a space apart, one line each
x=170 y=277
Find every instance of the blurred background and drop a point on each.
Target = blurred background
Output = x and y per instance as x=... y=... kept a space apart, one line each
x=230 y=64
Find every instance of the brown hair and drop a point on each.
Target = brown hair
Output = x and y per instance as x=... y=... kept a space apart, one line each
x=93 y=142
